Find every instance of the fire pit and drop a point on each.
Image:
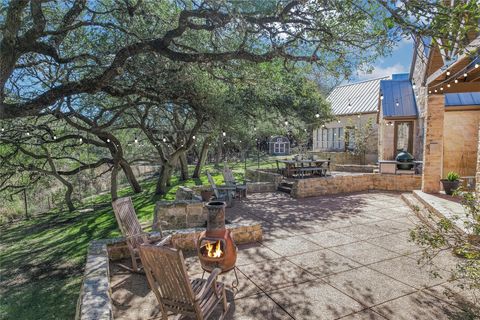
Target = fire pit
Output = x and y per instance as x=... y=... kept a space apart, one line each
x=215 y=246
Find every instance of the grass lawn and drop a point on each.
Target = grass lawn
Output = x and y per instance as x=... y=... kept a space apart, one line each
x=42 y=259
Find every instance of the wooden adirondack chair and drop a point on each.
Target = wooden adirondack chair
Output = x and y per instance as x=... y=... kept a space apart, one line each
x=229 y=178
x=222 y=193
x=167 y=277
x=132 y=230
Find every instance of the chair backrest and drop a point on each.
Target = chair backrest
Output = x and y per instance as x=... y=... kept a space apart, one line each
x=212 y=183
x=168 y=278
x=228 y=176
x=128 y=222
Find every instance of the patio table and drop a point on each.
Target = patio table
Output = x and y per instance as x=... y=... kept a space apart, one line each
x=302 y=166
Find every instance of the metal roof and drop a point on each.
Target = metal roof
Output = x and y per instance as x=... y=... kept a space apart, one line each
x=354 y=98
x=462 y=99
x=398 y=99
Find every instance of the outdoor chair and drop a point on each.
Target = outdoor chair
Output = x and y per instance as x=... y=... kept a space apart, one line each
x=229 y=178
x=132 y=231
x=222 y=193
x=167 y=277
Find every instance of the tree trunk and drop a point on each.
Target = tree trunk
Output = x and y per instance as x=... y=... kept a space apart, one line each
x=114 y=183
x=68 y=196
x=183 y=167
x=201 y=160
x=127 y=169
x=218 y=155
x=164 y=179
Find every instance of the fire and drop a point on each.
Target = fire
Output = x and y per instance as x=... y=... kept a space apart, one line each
x=213 y=250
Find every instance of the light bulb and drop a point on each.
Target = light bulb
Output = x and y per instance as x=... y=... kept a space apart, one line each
x=436 y=90
x=413 y=86
x=54 y=137
x=164 y=140
x=456 y=80
x=441 y=88
x=476 y=65
x=317 y=115
x=429 y=91
x=449 y=85
x=286 y=122
x=465 y=75
x=254 y=128
x=193 y=137
x=338 y=121
x=108 y=140
x=224 y=133
x=448 y=72
x=381 y=97
x=81 y=139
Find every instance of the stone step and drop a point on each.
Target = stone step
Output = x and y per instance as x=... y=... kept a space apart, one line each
x=285 y=189
x=421 y=211
x=287 y=184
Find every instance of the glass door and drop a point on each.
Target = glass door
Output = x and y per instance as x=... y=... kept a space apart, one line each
x=404 y=136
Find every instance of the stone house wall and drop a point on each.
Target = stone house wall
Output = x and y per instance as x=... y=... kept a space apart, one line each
x=346 y=121
x=460 y=142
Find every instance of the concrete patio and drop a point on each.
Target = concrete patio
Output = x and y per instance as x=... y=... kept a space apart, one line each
x=345 y=256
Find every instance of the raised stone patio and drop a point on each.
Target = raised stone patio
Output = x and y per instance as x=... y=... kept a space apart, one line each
x=345 y=256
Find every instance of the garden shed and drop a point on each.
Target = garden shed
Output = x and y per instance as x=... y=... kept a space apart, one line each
x=278 y=145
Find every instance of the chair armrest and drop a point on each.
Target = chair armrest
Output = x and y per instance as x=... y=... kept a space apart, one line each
x=211 y=282
x=164 y=241
x=232 y=188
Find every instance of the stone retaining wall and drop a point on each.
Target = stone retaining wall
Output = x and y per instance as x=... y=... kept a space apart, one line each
x=264 y=175
x=179 y=214
x=94 y=302
x=354 y=183
x=368 y=168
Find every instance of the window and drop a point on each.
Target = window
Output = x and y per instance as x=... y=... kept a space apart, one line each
x=330 y=139
x=404 y=136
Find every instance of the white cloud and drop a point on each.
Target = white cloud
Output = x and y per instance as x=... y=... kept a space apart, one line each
x=383 y=71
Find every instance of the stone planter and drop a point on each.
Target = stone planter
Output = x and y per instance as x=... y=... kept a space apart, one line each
x=450 y=186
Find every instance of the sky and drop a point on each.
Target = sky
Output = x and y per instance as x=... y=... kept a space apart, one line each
x=398 y=62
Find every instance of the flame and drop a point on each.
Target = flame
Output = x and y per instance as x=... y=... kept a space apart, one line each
x=211 y=252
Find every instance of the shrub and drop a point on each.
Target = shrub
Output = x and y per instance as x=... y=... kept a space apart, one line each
x=453 y=176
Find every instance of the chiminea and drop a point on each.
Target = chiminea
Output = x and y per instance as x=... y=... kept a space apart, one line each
x=215 y=246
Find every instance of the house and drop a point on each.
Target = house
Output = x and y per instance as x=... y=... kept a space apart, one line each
x=355 y=105
x=449 y=104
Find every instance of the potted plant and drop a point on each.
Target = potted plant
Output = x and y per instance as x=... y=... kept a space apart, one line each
x=206 y=194
x=451 y=183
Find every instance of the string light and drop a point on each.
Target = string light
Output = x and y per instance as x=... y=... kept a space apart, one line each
x=286 y=122
x=28 y=133
x=465 y=75
x=54 y=137
x=338 y=121
x=396 y=103
x=108 y=140
x=224 y=133
x=413 y=85
x=81 y=139
x=429 y=91
x=381 y=97
x=3 y=129
x=317 y=115
x=164 y=140
x=448 y=72
x=193 y=137
x=136 y=140
x=436 y=90
x=476 y=65
x=456 y=80
x=441 y=88
x=449 y=85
